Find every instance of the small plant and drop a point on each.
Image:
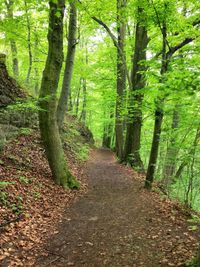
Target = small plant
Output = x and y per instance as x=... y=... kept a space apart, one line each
x=4 y=184
x=25 y=131
x=17 y=207
x=4 y=198
x=194 y=221
x=12 y=157
x=36 y=195
x=24 y=179
x=82 y=152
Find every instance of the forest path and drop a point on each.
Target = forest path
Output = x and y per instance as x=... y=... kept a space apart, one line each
x=116 y=224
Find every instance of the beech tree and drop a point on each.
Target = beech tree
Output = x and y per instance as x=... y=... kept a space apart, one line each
x=134 y=124
x=48 y=98
x=15 y=64
x=66 y=85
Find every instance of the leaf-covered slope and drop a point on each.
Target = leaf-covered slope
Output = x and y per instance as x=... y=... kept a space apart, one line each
x=9 y=90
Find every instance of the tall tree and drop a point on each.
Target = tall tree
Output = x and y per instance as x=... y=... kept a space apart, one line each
x=48 y=99
x=172 y=151
x=134 y=123
x=28 y=24
x=167 y=54
x=83 y=112
x=15 y=63
x=121 y=76
x=66 y=85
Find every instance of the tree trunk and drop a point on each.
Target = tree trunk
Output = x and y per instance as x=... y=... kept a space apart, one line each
x=78 y=97
x=154 y=148
x=121 y=78
x=83 y=113
x=66 y=86
x=48 y=102
x=172 y=151
x=191 y=152
x=158 y=117
x=107 y=134
x=29 y=43
x=13 y=46
x=134 y=124
x=36 y=72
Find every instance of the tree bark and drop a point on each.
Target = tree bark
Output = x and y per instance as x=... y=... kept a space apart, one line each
x=66 y=86
x=121 y=78
x=13 y=46
x=158 y=116
x=134 y=124
x=48 y=102
x=78 y=97
x=107 y=134
x=172 y=151
x=36 y=72
x=83 y=113
x=29 y=43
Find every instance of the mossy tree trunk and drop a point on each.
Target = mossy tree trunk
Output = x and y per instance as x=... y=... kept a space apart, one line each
x=66 y=86
x=48 y=101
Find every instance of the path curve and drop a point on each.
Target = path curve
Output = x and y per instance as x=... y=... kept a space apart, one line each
x=110 y=225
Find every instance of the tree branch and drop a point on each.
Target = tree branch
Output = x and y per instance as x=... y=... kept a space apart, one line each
x=179 y=46
x=114 y=39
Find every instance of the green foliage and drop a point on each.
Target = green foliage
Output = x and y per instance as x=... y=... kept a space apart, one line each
x=4 y=196
x=25 y=131
x=82 y=151
x=25 y=180
x=195 y=222
x=4 y=184
x=36 y=195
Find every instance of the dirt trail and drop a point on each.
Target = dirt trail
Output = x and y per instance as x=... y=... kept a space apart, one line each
x=116 y=224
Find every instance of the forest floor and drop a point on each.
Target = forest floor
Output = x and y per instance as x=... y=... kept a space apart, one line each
x=119 y=224
x=110 y=222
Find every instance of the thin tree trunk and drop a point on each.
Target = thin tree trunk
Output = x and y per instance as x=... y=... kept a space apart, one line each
x=36 y=72
x=121 y=78
x=83 y=113
x=158 y=117
x=66 y=86
x=84 y=84
x=13 y=46
x=78 y=97
x=172 y=151
x=134 y=123
x=166 y=56
x=107 y=135
x=189 y=192
x=29 y=43
x=191 y=152
x=47 y=100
